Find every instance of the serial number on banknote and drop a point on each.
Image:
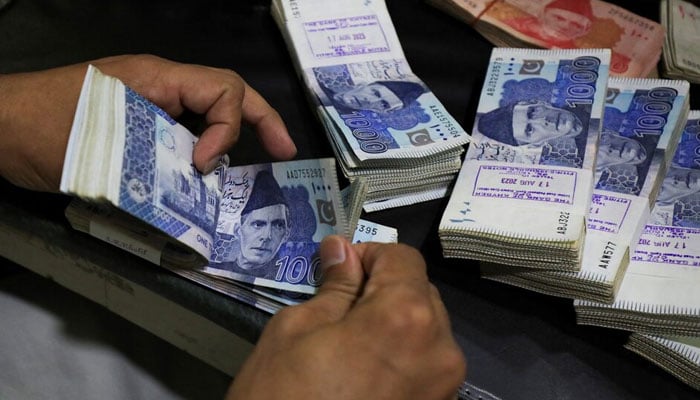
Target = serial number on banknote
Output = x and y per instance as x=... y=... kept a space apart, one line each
x=306 y=173
x=563 y=222
x=607 y=255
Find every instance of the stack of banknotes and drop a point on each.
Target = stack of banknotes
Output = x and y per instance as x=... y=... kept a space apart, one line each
x=261 y=224
x=636 y=42
x=523 y=193
x=642 y=125
x=679 y=355
x=384 y=124
x=681 y=55
x=658 y=294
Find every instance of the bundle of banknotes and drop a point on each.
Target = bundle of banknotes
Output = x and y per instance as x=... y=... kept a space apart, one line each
x=642 y=125
x=678 y=355
x=636 y=42
x=131 y=164
x=523 y=193
x=681 y=56
x=658 y=294
x=384 y=124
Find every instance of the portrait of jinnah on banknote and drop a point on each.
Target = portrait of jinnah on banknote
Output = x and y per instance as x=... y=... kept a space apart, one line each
x=263 y=228
x=559 y=22
x=378 y=96
x=622 y=162
x=529 y=123
x=528 y=127
x=379 y=87
x=678 y=201
x=272 y=219
x=564 y=24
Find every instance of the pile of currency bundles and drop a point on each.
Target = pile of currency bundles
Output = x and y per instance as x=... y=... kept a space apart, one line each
x=383 y=122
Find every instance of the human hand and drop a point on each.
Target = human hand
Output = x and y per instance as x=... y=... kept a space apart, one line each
x=384 y=337
x=37 y=109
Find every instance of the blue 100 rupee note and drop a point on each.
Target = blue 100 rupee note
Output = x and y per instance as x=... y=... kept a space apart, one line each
x=528 y=172
x=272 y=219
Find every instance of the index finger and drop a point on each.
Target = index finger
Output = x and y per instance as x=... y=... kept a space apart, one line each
x=227 y=100
x=227 y=104
x=220 y=94
x=268 y=124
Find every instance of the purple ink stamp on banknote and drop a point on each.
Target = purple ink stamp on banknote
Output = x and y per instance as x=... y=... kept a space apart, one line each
x=548 y=185
x=338 y=37
x=608 y=212
x=669 y=245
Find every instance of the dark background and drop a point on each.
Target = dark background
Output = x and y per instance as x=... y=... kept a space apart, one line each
x=519 y=344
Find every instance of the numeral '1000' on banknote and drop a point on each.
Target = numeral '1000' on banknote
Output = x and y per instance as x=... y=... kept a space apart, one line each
x=529 y=169
x=352 y=61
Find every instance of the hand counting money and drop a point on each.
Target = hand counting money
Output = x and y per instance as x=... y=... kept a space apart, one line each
x=260 y=224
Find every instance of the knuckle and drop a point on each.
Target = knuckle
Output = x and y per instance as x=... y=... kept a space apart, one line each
x=455 y=364
x=290 y=320
x=410 y=315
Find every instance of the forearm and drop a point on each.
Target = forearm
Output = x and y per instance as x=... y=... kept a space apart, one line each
x=36 y=113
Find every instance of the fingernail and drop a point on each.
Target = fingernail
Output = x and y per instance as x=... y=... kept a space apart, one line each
x=211 y=165
x=332 y=251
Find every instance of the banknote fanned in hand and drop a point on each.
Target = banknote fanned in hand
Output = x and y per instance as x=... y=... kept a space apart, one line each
x=523 y=193
x=273 y=299
x=681 y=55
x=382 y=121
x=642 y=124
x=635 y=41
x=658 y=294
x=261 y=224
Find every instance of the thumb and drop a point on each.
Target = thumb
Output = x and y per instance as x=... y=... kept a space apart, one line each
x=343 y=279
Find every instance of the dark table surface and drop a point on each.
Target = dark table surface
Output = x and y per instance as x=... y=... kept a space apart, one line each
x=519 y=344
